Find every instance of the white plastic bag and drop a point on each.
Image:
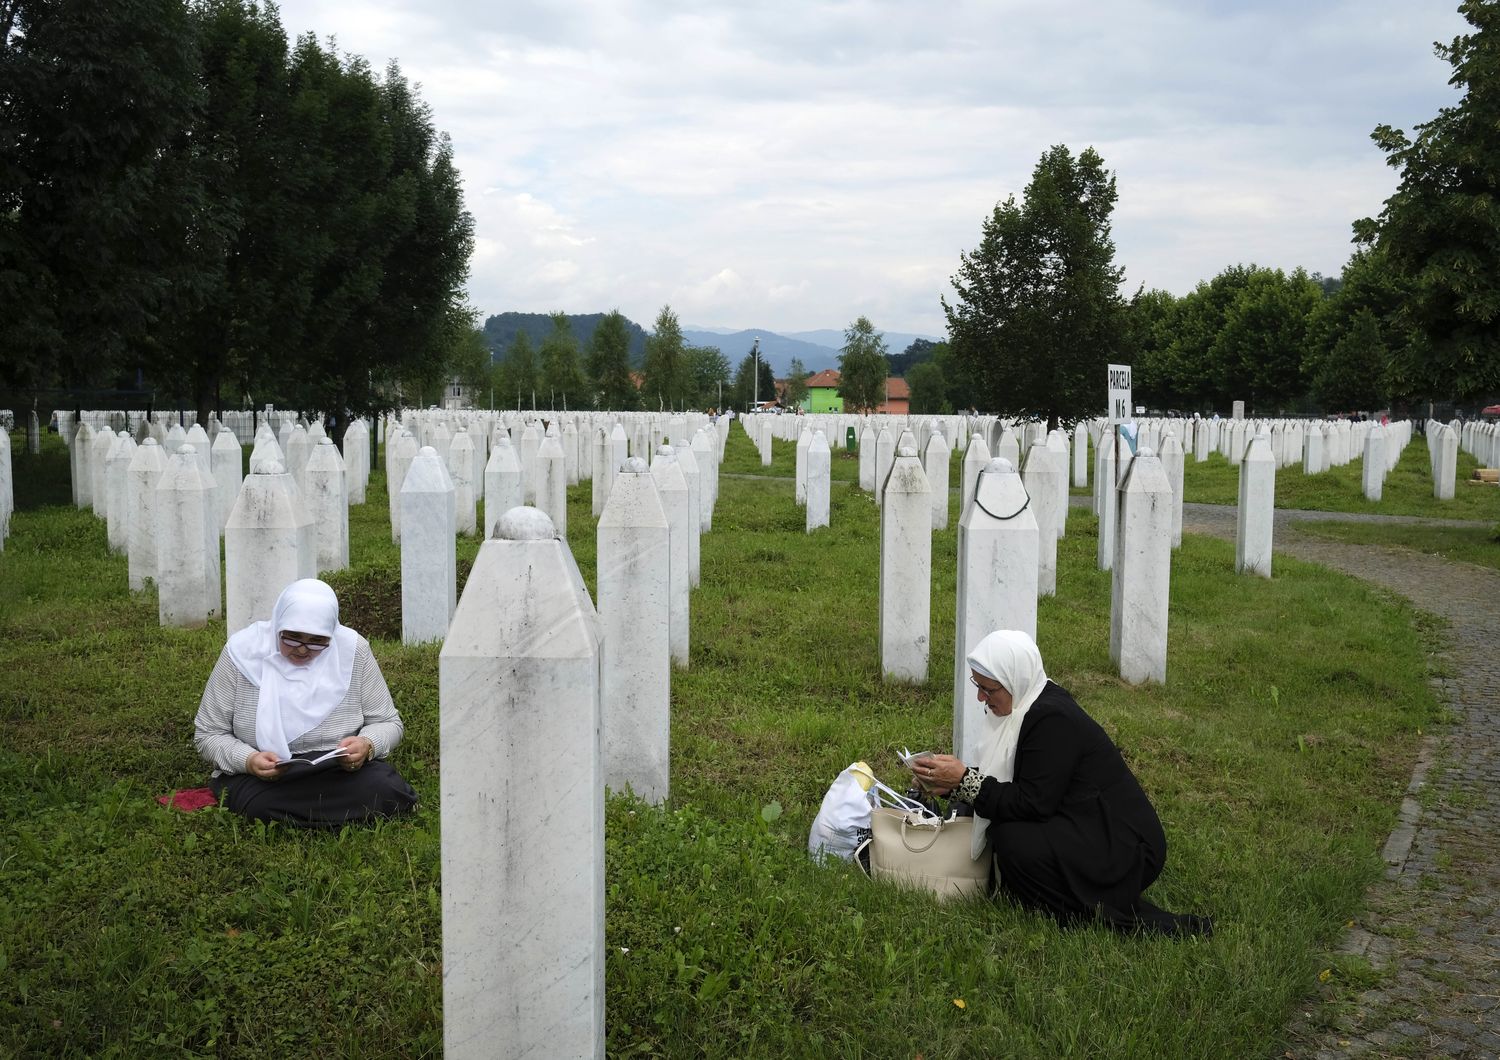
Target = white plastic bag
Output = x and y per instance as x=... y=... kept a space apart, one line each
x=843 y=820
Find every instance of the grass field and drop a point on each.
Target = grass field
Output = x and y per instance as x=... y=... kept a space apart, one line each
x=1472 y=544
x=1276 y=755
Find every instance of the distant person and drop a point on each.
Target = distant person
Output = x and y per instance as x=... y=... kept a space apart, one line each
x=291 y=690
x=1072 y=833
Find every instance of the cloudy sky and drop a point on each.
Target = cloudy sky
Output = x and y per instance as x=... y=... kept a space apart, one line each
x=792 y=164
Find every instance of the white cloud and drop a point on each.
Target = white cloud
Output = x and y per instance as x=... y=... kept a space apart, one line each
x=794 y=163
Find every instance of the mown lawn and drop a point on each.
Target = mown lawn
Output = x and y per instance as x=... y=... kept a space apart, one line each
x=1276 y=755
x=1479 y=543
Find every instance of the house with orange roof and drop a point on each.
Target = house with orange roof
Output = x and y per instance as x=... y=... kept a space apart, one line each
x=823 y=394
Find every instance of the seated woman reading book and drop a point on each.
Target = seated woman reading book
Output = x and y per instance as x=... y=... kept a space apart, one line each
x=296 y=719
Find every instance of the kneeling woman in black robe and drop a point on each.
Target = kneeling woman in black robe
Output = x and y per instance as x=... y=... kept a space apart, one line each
x=289 y=691
x=1073 y=833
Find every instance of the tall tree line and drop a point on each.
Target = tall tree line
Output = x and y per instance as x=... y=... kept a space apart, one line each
x=187 y=195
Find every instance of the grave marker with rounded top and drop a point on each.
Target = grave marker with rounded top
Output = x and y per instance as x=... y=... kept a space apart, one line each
x=460 y=458
x=531 y=441
x=298 y=451
x=176 y=439
x=523 y=869
x=1080 y=454
x=1041 y=476
x=804 y=439
x=998 y=540
x=80 y=452
x=1255 y=519
x=1057 y=443
x=227 y=458
x=268 y=544
x=1172 y=462
x=356 y=460
x=603 y=478
x=502 y=483
x=7 y=488
x=1445 y=462
x=1106 y=499
x=635 y=572
x=682 y=452
x=905 y=570
x=935 y=467
x=1373 y=471
x=429 y=577
x=867 y=459
x=976 y=458
x=327 y=504
x=116 y=489
x=99 y=447
x=1139 y=587
x=885 y=456
x=707 y=455
x=819 y=486
x=187 y=542
x=672 y=487
x=552 y=482
x=402 y=453
x=146 y=467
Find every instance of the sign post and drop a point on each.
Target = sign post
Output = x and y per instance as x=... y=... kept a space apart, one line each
x=1119 y=411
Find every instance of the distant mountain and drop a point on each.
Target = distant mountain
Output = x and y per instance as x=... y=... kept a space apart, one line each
x=895 y=341
x=500 y=331
x=776 y=350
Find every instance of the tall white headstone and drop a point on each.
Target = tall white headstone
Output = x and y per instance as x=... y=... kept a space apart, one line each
x=885 y=456
x=116 y=490
x=819 y=486
x=429 y=575
x=460 y=458
x=1042 y=474
x=867 y=459
x=1373 y=471
x=1173 y=460
x=804 y=440
x=635 y=571
x=976 y=459
x=268 y=544
x=403 y=450
x=998 y=540
x=1445 y=463
x=603 y=474
x=227 y=458
x=523 y=871
x=325 y=482
x=552 y=482
x=935 y=467
x=1106 y=500
x=356 y=457
x=1255 y=519
x=1139 y=587
x=502 y=483
x=682 y=451
x=187 y=542
x=905 y=570
x=672 y=487
x=1081 y=454
x=146 y=467
x=7 y=487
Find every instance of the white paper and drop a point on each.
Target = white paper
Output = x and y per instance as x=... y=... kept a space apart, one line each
x=337 y=752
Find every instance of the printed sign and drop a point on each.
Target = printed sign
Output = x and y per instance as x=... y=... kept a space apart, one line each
x=1119 y=392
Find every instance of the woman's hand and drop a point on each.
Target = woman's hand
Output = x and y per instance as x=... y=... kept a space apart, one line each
x=940 y=773
x=357 y=751
x=262 y=764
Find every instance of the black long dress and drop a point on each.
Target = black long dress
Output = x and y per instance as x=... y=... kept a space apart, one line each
x=1073 y=833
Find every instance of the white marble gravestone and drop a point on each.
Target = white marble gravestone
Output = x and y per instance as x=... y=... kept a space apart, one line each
x=403 y=450
x=523 y=867
x=673 y=489
x=819 y=485
x=905 y=570
x=1141 y=576
x=1373 y=471
x=1445 y=462
x=552 y=482
x=268 y=544
x=356 y=457
x=635 y=571
x=1255 y=519
x=7 y=488
x=429 y=577
x=1173 y=460
x=502 y=483
x=460 y=457
x=146 y=467
x=867 y=459
x=1042 y=474
x=998 y=540
x=1106 y=500
x=1080 y=454
x=324 y=481
x=187 y=541
x=227 y=459
x=935 y=467
x=707 y=455
x=804 y=439
x=116 y=490
x=976 y=459
x=99 y=447
x=885 y=456
x=80 y=454
x=603 y=474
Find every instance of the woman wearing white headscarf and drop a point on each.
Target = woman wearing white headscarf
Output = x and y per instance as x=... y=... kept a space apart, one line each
x=290 y=690
x=1073 y=834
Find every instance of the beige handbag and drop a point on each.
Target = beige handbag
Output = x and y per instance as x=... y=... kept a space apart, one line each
x=913 y=848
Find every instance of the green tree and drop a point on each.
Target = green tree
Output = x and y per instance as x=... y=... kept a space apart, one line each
x=1440 y=231
x=707 y=374
x=562 y=380
x=1149 y=335
x=516 y=376
x=609 y=364
x=796 y=384
x=743 y=393
x=469 y=362
x=1350 y=336
x=929 y=389
x=665 y=365
x=1259 y=351
x=1184 y=365
x=1038 y=312
x=94 y=108
x=862 y=367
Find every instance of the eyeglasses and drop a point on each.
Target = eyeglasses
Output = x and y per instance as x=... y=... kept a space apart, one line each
x=987 y=691
x=297 y=642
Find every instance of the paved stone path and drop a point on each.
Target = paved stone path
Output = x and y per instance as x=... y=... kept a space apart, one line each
x=1433 y=923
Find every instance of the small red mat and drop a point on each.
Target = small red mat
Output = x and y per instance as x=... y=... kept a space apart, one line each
x=189 y=799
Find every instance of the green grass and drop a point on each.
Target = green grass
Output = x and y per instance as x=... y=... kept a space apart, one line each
x=1276 y=755
x=1472 y=544
x=1407 y=489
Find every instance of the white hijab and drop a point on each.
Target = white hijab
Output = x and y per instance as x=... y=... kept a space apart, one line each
x=294 y=698
x=1011 y=658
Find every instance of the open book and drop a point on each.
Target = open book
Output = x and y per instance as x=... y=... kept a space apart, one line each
x=337 y=752
x=909 y=759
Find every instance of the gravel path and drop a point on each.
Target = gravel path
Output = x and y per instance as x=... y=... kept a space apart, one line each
x=1433 y=925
